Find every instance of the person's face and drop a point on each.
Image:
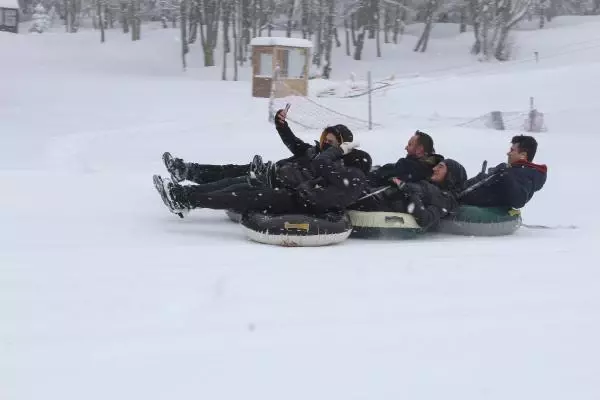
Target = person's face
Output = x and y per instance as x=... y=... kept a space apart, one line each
x=413 y=148
x=439 y=173
x=515 y=154
x=331 y=140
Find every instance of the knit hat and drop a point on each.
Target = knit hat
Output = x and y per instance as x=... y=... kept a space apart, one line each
x=341 y=132
x=456 y=176
x=358 y=159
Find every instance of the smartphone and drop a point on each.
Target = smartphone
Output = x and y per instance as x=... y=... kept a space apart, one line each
x=287 y=107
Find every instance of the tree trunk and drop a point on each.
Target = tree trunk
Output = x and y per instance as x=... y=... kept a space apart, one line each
x=360 y=41
x=183 y=11
x=100 y=20
x=226 y=14
x=329 y=38
x=209 y=19
x=500 y=52
x=397 y=22
x=387 y=23
x=463 y=19
x=347 y=31
x=131 y=16
x=193 y=21
x=290 y=15
x=475 y=15
x=377 y=34
x=246 y=21
x=253 y=19
x=353 y=28
x=319 y=45
x=372 y=12
x=68 y=16
x=270 y=17
x=124 y=19
x=424 y=39
x=304 y=9
x=336 y=37
x=235 y=40
x=226 y=4
x=260 y=16
x=242 y=39
x=109 y=17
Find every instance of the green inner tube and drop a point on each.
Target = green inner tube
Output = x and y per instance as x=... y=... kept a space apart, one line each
x=481 y=221
x=484 y=215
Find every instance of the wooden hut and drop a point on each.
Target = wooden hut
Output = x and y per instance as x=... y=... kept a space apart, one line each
x=292 y=58
x=9 y=16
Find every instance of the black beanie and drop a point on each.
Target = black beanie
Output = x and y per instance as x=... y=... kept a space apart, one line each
x=358 y=159
x=341 y=132
x=457 y=175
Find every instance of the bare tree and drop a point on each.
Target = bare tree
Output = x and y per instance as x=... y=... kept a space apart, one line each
x=290 y=15
x=184 y=12
x=234 y=19
x=134 y=19
x=377 y=18
x=492 y=22
x=72 y=10
x=99 y=7
x=209 y=28
x=431 y=7
x=226 y=5
x=329 y=37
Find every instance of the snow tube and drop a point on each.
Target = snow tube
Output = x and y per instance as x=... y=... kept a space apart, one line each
x=296 y=230
x=234 y=216
x=481 y=221
x=383 y=225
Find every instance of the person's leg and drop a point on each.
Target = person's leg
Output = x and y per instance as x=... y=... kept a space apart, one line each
x=207 y=173
x=276 y=201
x=227 y=184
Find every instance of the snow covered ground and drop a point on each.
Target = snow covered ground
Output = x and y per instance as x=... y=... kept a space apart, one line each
x=105 y=294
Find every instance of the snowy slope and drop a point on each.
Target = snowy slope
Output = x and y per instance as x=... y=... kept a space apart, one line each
x=104 y=294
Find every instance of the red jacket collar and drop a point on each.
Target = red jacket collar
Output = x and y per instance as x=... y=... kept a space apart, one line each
x=538 y=167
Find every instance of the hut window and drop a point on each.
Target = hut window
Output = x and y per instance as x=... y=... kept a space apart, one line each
x=292 y=63
x=10 y=17
x=265 y=67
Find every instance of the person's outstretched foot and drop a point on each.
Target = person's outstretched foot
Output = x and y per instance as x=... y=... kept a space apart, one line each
x=165 y=187
x=176 y=167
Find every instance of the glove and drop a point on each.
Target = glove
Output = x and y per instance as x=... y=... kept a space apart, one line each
x=396 y=186
x=347 y=147
x=497 y=169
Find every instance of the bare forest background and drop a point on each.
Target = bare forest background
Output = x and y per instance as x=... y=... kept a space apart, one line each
x=324 y=22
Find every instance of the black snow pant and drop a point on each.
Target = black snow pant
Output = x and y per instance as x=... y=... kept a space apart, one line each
x=207 y=173
x=227 y=184
x=272 y=201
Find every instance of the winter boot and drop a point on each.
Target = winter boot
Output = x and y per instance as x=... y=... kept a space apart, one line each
x=176 y=167
x=261 y=177
x=256 y=164
x=166 y=190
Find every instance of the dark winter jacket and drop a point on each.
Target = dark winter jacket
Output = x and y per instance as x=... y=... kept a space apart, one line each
x=429 y=202
x=509 y=187
x=304 y=152
x=407 y=169
x=338 y=180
